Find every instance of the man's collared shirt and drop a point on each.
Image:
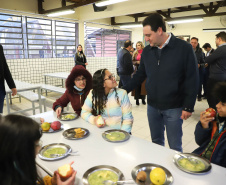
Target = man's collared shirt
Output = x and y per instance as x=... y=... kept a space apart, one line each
x=167 y=41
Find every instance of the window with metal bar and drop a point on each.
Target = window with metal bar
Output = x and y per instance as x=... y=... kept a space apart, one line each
x=11 y=36
x=65 y=39
x=39 y=38
x=100 y=42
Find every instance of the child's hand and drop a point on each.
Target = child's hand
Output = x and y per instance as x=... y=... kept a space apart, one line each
x=58 y=112
x=205 y=119
x=96 y=122
x=42 y=120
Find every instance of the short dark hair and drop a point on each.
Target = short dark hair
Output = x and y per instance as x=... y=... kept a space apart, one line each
x=127 y=44
x=219 y=92
x=206 y=45
x=195 y=38
x=155 y=20
x=222 y=35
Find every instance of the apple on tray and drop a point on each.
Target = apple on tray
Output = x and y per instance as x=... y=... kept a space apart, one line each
x=211 y=111
x=56 y=125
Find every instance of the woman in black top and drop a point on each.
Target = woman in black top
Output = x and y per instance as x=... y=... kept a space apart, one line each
x=80 y=58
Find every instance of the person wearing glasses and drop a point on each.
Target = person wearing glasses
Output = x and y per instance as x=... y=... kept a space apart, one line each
x=108 y=101
x=78 y=85
x=19 y=144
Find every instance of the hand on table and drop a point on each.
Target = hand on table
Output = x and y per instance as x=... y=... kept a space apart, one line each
x=205 y=119
x=58 y=111
x=14 y=91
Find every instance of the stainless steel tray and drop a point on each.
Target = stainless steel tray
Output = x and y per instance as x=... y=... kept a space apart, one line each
x=127 y=135
x=101 y=167
x=66 y=113
x=53 y=131
x=147 y=167
x=207 y=164
x=54 y=145
x=70 y=133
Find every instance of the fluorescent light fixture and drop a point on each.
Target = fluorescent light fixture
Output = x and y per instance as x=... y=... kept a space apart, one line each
x=214 y=30
x=179 y=21
x=108 y=2
x=64 y=12
x=131 y=26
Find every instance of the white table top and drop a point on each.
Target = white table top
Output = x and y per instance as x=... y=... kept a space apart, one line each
x=22 y=86
x=94 y=150
x=62 y=75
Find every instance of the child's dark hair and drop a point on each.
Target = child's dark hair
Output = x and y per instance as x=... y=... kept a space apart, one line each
x=219 y=92
x=18 y=135
x=99 y=98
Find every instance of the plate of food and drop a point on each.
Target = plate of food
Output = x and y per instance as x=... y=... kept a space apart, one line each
x=54 y=151
x=191 y=163
x=68 y=116
x=96 y=175
x=116 y=135
x=52 y=127
x=148 y=174
x=76 y=133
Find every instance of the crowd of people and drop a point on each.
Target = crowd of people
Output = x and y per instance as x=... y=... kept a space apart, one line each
x=169 y=71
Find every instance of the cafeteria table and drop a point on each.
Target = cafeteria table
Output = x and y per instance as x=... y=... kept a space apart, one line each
x=94 y=150
x=61 y=75
x=23 y=86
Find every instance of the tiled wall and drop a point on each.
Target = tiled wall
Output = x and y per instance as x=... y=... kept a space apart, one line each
x=33 y=70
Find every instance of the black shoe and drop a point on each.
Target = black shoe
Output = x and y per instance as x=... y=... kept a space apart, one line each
x=143 y=102
x=137 y=102
x=205 y=97
x=199 y=99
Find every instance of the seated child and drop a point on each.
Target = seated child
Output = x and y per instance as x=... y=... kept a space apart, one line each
x=210 y=132
x=108 y=101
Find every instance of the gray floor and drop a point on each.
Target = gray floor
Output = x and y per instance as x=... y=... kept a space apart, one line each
x=140 y=126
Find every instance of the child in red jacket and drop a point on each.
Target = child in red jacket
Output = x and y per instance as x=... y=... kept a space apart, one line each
x=78 y=85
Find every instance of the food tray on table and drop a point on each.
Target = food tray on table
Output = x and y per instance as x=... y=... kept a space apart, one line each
x=76 y=133
x=60 y=149
x=67 y=116
x=147 y=168
x=97 y=174
x=116 y=135
x=191 y=163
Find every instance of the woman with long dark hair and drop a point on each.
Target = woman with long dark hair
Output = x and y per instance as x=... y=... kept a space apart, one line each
x=108 y=101
x=19 y=144
x=80 y=58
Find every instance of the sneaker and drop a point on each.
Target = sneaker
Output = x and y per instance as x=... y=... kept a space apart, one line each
x=143 y=102
x=137 y=102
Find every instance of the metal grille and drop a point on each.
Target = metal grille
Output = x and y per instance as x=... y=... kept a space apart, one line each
x=39 y=38
x=100 y=42
x=11 y=36
x=30 y=37
x=65 y=38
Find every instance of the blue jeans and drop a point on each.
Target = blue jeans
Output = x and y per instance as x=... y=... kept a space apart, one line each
x=170 y=118
x=2 y=95
x=125 y=79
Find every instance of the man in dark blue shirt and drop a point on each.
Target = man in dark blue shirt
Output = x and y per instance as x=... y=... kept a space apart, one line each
x=171 y=69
